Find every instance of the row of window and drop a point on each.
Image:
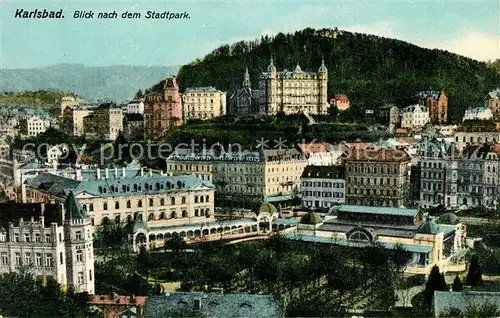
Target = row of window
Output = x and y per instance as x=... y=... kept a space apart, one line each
x=372 y=191
x=28 y=259
x=368 y=169
x=29 y=237
x=381 y=181
x=161 y=216
x=323 y=194
x=323 y=184
x=138 y=187
x=197 y=199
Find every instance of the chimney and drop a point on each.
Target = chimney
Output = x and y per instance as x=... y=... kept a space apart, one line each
x=123 y=172
x=98 y=174
x=197 y=304
x=142 y=171
x=106 y=171
x=150 y=172
x=116 y=172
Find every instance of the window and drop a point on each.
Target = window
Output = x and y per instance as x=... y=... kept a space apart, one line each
x=117 y=219
x=4 y=258
x=172 y=201
x=17 y=258
x=117 y=205
x=38 y=259
x=27 y=237
x=91 y=207
x=27 y=259
x=151 y=217
x=90 y=275
x=79 y=256
x=162 y=201
x=60 y=237
x=183 y=200
x=16 y=237
x=84 y=207
x=184 y=214
x=78 y=235
x=48 y=238
x=139 y=203
x=151 y=202
x=61 y=258
x=195 y=199
x=105 y=206
x=80 y=278
x=129 y=205
x=37 y=237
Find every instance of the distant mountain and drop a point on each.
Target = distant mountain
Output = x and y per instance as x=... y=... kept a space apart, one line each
x=116 y=83
x=371 y=70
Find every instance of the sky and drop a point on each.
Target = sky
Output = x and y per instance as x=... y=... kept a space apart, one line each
x=470 y=28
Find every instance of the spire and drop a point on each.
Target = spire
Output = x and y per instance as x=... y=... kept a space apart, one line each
x=322 y=68
x=271 y=67
x=246 y=79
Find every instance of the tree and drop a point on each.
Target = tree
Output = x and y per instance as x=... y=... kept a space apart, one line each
x=457 y=284
x=474 y=274
x=139 y=94
x=435 y=282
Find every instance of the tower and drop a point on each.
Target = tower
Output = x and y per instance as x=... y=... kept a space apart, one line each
x=246 y=79
x=323 y=88
x=271 y=89
x=78 y=242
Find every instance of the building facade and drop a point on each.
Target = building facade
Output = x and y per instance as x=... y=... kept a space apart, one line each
x=136 y=106
x=245 y=178
x=437 y=103
x=340 y=101
x=162 y=110
x=129 y=194
x=72 y=121
x=55 y=241
x=203 y=103
x=36 y=125
x=377 y=177
x=105 y=122
x=322 y=186
x=492 y=101
x=321 y=154
x=293 y=92
x=244 y=101
x=133 y=126
x=478 y=113
x=415 y=116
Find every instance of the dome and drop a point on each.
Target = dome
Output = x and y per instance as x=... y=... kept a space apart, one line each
x=267 y=207
x=310 y=218
x=428 y=227
x=298 y=69
x=322 y=68
x=271 y=67
x=448 y=218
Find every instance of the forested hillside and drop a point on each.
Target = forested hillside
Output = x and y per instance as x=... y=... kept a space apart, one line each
x=371 y=70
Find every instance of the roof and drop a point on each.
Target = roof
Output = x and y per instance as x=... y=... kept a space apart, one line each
x=117 y=300
x=376 y=210
x=349 y=243
x=313 y=147
x=267 y=207
x=209 y=89
x=214 y=305
x=330 y=172
x=341 y=97
x=376 y=155
x=415 y=108
x=443 y=300
x=428 y=226
x=310 y=218
x=73 y=209
x=133 y=182
x=448 y=218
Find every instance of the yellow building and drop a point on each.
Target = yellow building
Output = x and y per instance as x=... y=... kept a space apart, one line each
x=105 y=122
x=427 y=242
x=130 y=194
x=72 y=121
x=247 y=177
x=293 y=92
x=203 y=103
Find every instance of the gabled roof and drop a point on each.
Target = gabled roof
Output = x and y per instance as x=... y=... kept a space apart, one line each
x=73 y=209
x=214 y=305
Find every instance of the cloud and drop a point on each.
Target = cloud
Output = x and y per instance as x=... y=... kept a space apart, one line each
x=477 y=45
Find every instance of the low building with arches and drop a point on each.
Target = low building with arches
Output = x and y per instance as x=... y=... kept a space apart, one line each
x=428 y=242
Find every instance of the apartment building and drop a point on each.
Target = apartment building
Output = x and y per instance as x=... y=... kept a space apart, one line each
x=415 y=116
x=478 y=113
x=377 y=177
x=203 y=103
x=437 y=103
x=49 y=240
x=105 y=122
x=292 y=92
x=322 y=186
x=36 y=125
x=247 y=177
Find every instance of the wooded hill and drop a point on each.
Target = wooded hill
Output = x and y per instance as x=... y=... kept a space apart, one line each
x=371 y=70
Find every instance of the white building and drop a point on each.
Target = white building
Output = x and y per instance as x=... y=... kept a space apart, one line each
x=135 y=106
x=322 y=154
x=322 y=186
x=415 y=116
x=478 y=113
x=36 y=125
x=52 y=240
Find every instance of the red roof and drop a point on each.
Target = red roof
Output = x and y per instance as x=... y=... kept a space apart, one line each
x=313 y=147
x=117 y=300
x=376 y=155
x=341 y=96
